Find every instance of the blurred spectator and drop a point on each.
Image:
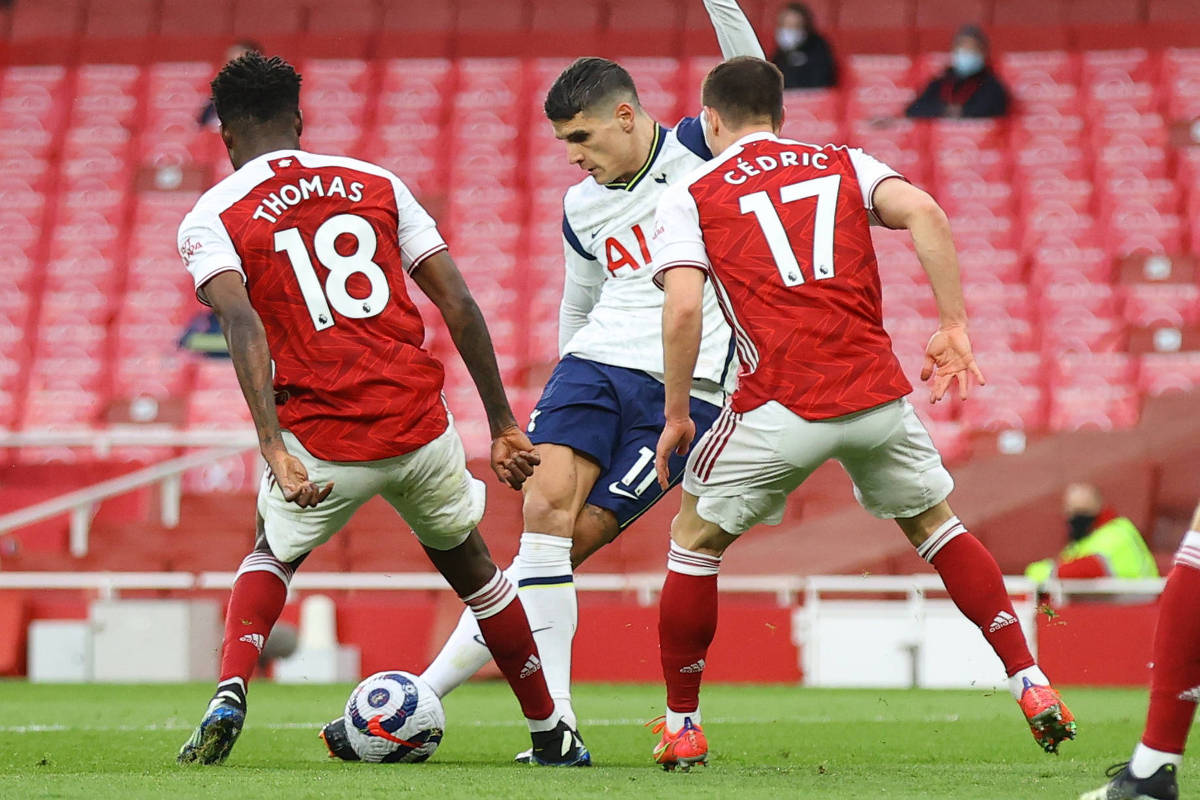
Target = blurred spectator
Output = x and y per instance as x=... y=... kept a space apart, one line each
x=208 y=114
x=1101 y=544
x=203 y=335
x=968 y=87
x=802 y=54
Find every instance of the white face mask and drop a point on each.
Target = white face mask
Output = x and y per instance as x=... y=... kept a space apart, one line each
x=790 y=38
x=966 y=63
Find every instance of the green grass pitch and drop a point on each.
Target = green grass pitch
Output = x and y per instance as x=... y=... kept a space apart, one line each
x=102 y=742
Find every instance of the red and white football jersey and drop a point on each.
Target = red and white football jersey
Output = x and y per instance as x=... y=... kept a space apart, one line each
x=782 y=231
x=322 y=243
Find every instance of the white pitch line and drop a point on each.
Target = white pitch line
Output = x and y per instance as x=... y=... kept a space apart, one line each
x=587 y=723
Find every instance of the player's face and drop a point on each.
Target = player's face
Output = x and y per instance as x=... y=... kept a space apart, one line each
x=601 y=144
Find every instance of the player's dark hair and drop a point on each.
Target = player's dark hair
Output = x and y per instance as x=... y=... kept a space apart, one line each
x=584 y=85
x=254 y=88
x=745 y=90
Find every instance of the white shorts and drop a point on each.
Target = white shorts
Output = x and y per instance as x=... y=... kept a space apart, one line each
x=744 y=467
x=430 y=487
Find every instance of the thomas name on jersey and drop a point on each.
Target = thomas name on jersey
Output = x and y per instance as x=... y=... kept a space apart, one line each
x=290 y=195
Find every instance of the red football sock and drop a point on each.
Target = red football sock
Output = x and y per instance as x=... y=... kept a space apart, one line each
x=505 y=628
x=259 y=592
x=1175 y=678
x=976 y=585
x=687 y=623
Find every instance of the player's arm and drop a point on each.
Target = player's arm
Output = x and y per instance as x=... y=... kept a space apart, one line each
x=582 y=283
x=683 y=321
x=677 y=250
x=513 y=458
x=247 y=341
x=899 y=204
x=734 y=32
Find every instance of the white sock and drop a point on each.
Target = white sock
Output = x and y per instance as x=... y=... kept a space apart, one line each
x=1146 y=760
x=546 y=587
x=464 y=653
x=1034 y=674
x=675 y=719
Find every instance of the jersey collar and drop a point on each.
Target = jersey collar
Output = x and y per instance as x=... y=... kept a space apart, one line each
x=660 y=136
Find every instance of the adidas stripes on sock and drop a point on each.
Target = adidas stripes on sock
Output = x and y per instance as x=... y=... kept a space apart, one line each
x=259 y=593
x=505 y=628
x=974 y=582
x=687 y=623
x=547 y=591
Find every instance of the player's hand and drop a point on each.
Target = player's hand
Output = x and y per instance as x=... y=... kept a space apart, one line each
x=513 y=458
x=676 y=437
x=948 y=358
x=292 y=478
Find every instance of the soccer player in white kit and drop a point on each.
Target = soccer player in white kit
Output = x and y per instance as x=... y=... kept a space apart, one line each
x=597 y=422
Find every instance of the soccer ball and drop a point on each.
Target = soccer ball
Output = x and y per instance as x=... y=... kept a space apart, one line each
x=394 y=717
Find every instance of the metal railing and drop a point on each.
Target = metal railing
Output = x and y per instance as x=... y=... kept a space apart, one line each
x=787 y=589
x=81 y=504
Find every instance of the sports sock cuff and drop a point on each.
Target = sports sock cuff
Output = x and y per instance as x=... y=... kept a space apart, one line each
x=493 y=598
x=1188 y=554
x=544 y=559
x=949 y=529
x=259 y=561
x=687 y=562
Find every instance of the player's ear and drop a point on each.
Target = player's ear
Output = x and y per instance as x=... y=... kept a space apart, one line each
x=626 y=116
x=782 y=119
x=227 y=137
x=299 y=122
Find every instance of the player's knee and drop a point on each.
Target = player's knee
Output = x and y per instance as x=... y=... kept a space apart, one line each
x=691 y=532
x=594 y=528
x=919 y=528
x=544 y=513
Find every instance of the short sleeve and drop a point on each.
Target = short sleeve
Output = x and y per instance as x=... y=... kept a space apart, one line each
x=690 y=133
x=677 y=240
x=417 y=232
x=870 y=172
x=206 y=249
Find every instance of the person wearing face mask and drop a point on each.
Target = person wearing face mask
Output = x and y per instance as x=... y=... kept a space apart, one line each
x=801 y=53
x=968 y=87
x=1100 y=544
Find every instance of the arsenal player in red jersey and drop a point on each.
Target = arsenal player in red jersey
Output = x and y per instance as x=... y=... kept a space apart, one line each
x=303 y=258
x=781 y=229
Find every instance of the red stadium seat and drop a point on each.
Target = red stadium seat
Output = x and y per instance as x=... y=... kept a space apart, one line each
x=894 y=70
x=1032 y=13
x=1063 y=305
x=984 y=265
x=659 y=85
x=1008 y=335
x=46 y=19
x=949 y=14
x=416 y=29
x=187 y=18
x=414 y=86
x=1176 y=305
x=1011 y=407
x=1015 y=370
x=1161 y=373
x=1093 y=370
x=61 y=409
x=636 y=27
x=1093 y=409
x=492 y=27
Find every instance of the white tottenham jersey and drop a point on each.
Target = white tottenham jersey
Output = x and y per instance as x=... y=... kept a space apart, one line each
x=606 y=232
